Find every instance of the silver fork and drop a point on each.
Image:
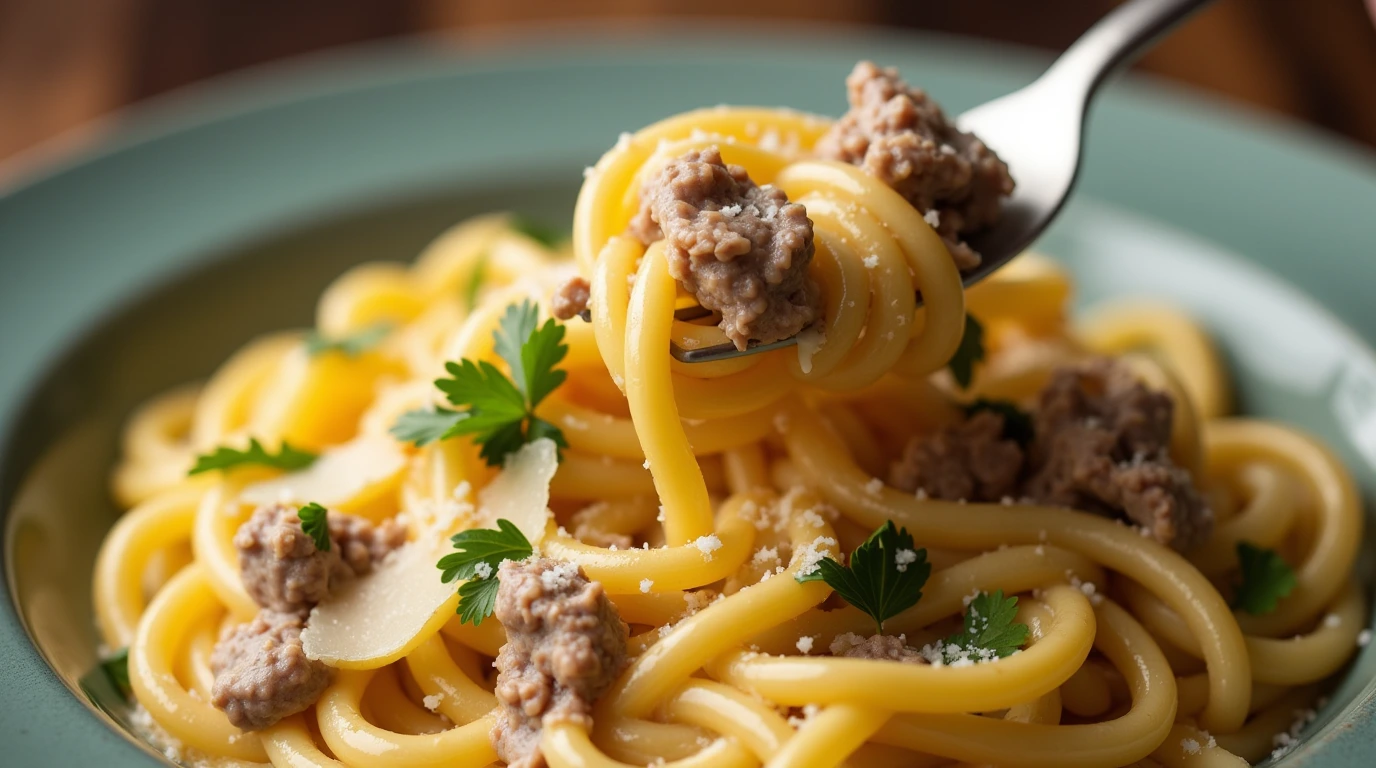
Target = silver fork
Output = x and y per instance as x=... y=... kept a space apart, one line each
x=1038 y=131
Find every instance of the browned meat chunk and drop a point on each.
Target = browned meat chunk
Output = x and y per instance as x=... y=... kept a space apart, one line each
x=880 y=647
x=565 y=645
x=571 y=299
x=262 y=674
x=741 y=249
x=283 y=571
x=362 y=544
x=971 y=460
x=1103 y=444
x=897 y=134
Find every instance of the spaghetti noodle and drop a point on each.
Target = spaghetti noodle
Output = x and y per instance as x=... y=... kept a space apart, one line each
x=695 y=493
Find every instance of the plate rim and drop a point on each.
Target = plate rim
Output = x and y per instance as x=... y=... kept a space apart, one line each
x=236 y=94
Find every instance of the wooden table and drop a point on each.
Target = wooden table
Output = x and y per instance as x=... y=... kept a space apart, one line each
x=65 y=62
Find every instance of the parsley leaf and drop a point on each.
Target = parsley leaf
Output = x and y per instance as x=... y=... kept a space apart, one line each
x=350 y=345
x=497 y=411
x=1017 y=423
x=1266 y=578
x=477 y=600
x=480 y=552
x=885 y=576
x=287 y=458
x=315 y=522
x=990 y=631
x=970 y=351
x=425 y=425
x=116 y=666
x=541 y=233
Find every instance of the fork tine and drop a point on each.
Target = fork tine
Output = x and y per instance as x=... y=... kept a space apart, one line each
x=726 y=351
x=714 y=352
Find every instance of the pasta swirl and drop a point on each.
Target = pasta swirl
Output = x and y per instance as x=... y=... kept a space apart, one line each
x=695 y=494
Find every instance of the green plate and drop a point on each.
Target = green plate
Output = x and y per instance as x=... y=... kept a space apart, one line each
x=211 y=216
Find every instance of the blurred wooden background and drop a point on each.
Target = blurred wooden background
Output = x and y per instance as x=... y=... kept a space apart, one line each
x=64 y=62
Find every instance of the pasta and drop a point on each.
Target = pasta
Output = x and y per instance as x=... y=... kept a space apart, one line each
x=696 y=493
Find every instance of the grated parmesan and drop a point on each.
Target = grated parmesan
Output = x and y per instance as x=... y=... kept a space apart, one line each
x=904 y=558
x=707 y=545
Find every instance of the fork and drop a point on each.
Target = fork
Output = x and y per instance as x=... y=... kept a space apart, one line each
x=1038 y=131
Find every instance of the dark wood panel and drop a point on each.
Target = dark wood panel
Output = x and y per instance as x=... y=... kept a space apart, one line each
x=65 y=62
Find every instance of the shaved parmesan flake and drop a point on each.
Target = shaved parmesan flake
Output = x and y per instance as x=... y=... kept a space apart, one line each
x=372 y=621
x=520 y=492
x=346 y=478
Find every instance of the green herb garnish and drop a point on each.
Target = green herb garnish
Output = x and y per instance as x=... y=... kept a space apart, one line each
x=422 y=426
x=287 y=458
x=315 y=522
x=350 y=345
x=990 y=630
x=970 y=351
x=1017 y=423
x=885 y=575
x=499 y=412
x=1265 y=579
x=116 y=666
x=480 y=552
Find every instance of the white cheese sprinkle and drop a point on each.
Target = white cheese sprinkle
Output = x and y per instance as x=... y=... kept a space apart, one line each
x=814 y=553
x=932 y=218
x=559 y=577
x=903 y=558
x=707 y=545
x=432 y=702
x=646 y=584
x=874 y=486
x=805 y=645
x=482 y=570
x=1190 y=746
x=765 y=555
x=871 y=261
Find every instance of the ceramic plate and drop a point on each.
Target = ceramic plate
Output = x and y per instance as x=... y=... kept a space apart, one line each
x=208 y=217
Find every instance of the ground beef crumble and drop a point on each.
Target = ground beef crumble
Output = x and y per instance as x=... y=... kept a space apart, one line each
x=971 y=460
x=897 y=134
x=565 y=646
x=740 y=249
x=362 y=544
x=261 y=671
x=879 y=647
x=571 y=298
x=280 y=567
x=1103 y=443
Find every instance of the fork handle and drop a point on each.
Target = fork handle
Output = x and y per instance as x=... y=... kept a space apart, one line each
x=1115 y=40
